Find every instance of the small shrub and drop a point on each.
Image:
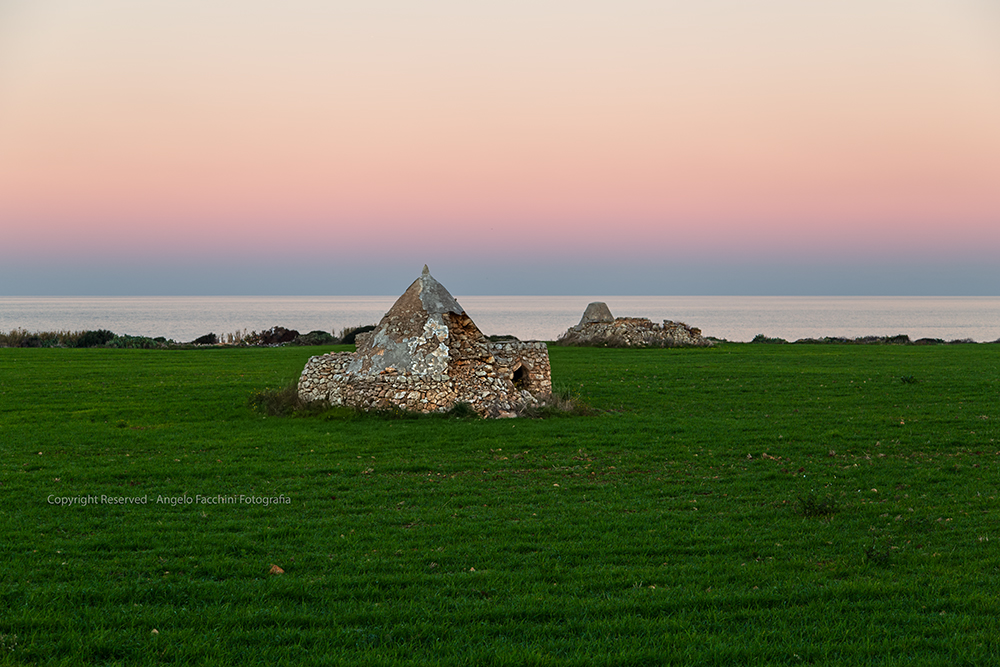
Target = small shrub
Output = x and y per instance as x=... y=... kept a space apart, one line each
x=761 y=338
x=560 y=403
x=94 y=338
x=238 y=337
x=275 y=336
x=462 y=411
x=207 y=339
x=349 y=335
x=31 y=341
x=315 y=338
x=908 y=379
x=285 y=402
x=25 y=338
x=12 y=338
x=135 y=343
x=929 y=341
x=277 y=402
x=901 y=339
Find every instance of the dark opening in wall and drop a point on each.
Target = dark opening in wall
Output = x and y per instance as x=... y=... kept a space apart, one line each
x=520 y=378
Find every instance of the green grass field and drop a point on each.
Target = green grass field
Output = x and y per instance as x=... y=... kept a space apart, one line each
x=746 y=504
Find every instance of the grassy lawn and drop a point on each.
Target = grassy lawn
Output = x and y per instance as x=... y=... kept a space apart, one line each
x=746 y=504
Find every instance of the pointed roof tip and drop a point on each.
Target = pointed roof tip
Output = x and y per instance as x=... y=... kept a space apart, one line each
x=426 y=271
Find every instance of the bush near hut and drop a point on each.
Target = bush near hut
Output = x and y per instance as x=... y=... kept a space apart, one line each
x=348 y=335
x=315 y=338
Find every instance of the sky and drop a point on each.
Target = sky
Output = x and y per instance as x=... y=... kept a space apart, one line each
x=648 y=147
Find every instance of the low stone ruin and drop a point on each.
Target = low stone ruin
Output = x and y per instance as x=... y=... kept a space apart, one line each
x=598 y=328
x=426 y=355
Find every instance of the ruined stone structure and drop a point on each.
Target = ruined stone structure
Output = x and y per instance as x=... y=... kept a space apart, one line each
x=427 y=355
x=599 y=328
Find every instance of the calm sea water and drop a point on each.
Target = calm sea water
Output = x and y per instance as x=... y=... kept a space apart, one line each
x=527 y=317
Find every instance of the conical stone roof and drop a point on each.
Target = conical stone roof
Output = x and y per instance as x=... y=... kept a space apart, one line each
x=421 y=334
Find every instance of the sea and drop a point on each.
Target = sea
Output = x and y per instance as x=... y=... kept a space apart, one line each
x=733 y=318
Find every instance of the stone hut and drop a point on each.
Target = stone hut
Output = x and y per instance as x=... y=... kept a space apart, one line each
x=426 y=355
x=599 y=328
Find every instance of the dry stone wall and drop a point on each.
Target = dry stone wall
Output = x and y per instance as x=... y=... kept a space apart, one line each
x=507 y=378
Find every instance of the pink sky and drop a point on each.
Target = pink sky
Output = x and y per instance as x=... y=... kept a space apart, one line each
x=719 y=130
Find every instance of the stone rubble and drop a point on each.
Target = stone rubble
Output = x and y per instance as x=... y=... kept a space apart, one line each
x=426 y=355
x=598 y=328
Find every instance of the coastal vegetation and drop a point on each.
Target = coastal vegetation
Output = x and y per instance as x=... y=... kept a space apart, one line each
x=272 y=337
x=278 y=336
x=739 y=504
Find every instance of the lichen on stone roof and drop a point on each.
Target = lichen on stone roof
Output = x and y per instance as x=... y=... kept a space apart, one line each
x=415 y=333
